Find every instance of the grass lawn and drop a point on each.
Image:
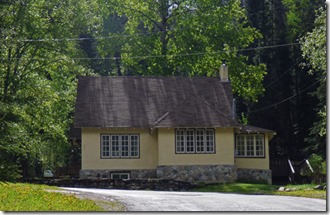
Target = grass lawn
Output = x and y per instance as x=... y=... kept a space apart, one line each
x=246 y=188
x=28 y=197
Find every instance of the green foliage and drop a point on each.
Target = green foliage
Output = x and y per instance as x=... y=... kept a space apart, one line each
x=246 y=188
x=299 y=12
x=244 y=119
x=314 y=51
x=38 y=80
x=314 y=44
x=318 y=165
x=308 y=193
x=286 y=97
x=24 y=197
x=188 y=38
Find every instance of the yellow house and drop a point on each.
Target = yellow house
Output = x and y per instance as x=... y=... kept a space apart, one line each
x=180 y=128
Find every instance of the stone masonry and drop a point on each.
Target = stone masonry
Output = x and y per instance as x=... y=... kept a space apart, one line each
x=105 y=174
x=199 y=173
x=189 y=173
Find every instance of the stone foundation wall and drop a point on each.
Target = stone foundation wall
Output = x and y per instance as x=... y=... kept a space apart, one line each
x=189 y=173
x=199 y=173
x=255 y=175
x=105 y=174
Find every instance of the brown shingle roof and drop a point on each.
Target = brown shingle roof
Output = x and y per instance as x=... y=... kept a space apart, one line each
x=253 y=129
x=153 y=102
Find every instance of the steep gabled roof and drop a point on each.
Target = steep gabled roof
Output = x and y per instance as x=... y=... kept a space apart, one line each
x=153 y=102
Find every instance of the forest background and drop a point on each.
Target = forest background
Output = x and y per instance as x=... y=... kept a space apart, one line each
x=275 y=50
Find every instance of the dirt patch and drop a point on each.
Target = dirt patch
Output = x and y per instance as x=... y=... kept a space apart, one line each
x=108 y=203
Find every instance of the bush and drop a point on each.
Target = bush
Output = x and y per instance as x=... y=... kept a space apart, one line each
x=9 y=171
x=319 y=168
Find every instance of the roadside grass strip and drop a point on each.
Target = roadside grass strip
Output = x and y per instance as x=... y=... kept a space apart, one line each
x=305 y=190
x=27 y=197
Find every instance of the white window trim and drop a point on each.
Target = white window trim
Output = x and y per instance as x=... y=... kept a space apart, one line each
x=193 y=142
x=213 y=141
x=120 y=146
x=130 y=146
x=176 y=141
x=177 y=130
x=254 y=146
x=102 y=148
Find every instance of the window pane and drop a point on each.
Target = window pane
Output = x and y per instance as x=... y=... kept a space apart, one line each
x=180 y=148
x=115 y=176
x=105 y=146
x=120 y=175
x=240 y=148
x=249 y=145
x=200 y=140
x=124 y=145
x=209 y=140
x=124 y=176
x=134 y=146
x=190 y=146
x=115 y=146
x=259 y=145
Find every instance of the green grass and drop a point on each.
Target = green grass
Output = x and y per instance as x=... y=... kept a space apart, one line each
x=247 y=188
x=27 y=197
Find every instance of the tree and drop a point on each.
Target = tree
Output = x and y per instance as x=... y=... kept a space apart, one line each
x=286 y=106
x=186 y=37
x=314 y=51
x=38 y=81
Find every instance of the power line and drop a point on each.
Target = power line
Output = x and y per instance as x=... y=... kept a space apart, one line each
x=162 y=56
x=284 y=100
x=114 y=36
x=284 y=73
x=88 y=38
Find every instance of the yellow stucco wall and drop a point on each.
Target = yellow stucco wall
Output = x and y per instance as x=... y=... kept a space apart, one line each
x=224 y=149
x=255 y=163
x=91 y=158
x=158 y=148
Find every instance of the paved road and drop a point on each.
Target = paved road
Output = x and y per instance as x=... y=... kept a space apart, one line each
x=136 y=200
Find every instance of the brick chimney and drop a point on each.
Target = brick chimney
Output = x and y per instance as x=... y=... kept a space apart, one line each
x=223 y=72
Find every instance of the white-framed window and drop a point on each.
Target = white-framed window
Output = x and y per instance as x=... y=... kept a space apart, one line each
x=200 y=141
x=124 y=146
x=180 y=141
x=134 y=146
x=115 y=149
x=189 y=141
x=209 y=135
x=120 y=175
x=105 y=147
x=260 y=145
x=120 y=146
x=250 y=145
